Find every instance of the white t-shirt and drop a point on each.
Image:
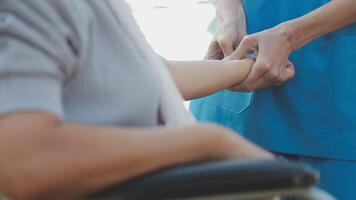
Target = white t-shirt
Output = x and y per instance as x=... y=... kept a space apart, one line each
x=72 y=58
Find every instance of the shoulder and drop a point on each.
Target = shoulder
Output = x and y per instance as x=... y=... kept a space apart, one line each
x=38 y=30
x=45 y=8
x=55 y=13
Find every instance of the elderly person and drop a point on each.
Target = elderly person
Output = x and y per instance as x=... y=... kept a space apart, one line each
x=312 y=117
x=85 y=103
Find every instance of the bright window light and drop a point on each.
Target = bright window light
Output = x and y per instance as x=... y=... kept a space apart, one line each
x=177 y=29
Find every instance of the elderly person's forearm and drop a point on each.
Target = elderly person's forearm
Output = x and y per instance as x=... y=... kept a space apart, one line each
x=196 y=79
x=50 y=159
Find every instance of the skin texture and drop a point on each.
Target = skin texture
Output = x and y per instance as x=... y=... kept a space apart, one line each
x=200 y=78
x=231 y=28
x=60 y=160
x=273 y=46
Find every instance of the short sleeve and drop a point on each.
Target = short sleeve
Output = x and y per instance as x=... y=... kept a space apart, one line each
x=35 y=59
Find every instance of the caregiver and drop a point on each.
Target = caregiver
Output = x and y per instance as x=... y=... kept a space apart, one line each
x=312 y=117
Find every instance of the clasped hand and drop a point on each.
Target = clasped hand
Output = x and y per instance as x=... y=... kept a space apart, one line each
x=271 y=48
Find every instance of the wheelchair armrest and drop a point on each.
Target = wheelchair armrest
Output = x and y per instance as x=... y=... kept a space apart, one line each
x=214 y=178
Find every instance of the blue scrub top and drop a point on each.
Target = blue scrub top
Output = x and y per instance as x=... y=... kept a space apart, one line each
x=313 y=114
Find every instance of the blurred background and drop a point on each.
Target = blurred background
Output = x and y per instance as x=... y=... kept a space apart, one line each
x=177 y=29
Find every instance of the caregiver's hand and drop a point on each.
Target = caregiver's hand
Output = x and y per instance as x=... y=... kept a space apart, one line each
x=272 y=66
x=231 y=28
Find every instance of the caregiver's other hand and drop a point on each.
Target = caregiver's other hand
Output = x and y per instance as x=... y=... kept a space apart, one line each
x=231 y=28
x=272 y=67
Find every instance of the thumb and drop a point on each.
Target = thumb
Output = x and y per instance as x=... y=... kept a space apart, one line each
x=247 y=43
x=227 y=49
x=214 y=52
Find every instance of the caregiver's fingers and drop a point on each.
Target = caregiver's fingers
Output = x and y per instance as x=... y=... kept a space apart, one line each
x=289 y=72
x=257 y=76
x=214 y=52
x=264 y=81
x=248 y=42
x=227 y=47
x=261 y=83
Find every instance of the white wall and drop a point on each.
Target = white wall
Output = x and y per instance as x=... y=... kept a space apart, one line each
x=177 y=29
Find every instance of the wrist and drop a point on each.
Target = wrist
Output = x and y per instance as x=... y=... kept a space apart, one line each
x=293 y=33
x=239 y=69
x=228 y=2
x=217 y=142
x=229 y=10
x=195 y=143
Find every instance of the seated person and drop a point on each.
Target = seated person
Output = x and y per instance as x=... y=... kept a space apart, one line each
x=85 y=103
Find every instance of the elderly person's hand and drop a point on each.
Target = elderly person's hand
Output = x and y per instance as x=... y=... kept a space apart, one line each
x=231 y=28
x=272 y=67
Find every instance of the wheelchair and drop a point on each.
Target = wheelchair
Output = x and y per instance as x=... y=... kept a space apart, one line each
x=222 y=180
